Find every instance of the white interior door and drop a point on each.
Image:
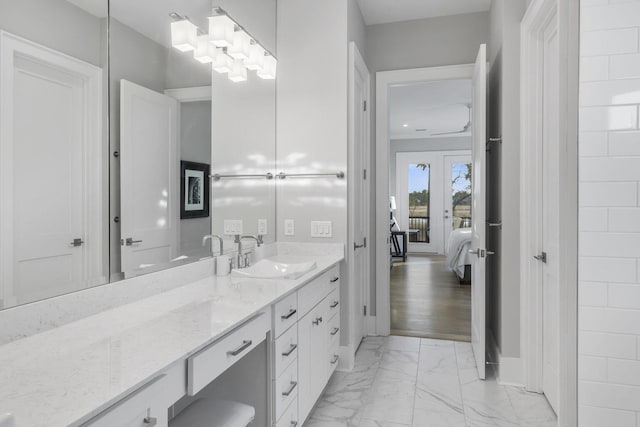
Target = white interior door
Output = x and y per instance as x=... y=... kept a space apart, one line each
x=359 y=190
x=50 y=137
x=550 y=218
x=457 y=193
x=149 y=177
x=419 y=199
x=478 y=191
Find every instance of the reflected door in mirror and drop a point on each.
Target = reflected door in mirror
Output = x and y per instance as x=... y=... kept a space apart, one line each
x=51 y=234
x=150 y=180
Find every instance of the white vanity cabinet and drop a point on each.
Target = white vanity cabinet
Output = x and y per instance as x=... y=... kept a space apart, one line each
x=316 y=306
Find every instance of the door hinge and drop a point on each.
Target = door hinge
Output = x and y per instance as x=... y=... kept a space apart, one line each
x=365 y=242
x=365 y=310
x=364 y=106
x=364 y=174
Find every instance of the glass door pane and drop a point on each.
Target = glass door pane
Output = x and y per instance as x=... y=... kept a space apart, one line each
x=461 y=194
x=419 y=203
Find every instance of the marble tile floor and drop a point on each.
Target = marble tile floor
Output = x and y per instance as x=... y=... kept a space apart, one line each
x=414 y=382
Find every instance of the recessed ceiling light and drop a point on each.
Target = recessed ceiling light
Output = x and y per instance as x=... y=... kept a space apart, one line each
x=406 y=125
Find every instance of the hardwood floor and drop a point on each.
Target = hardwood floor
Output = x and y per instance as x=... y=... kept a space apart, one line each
x=427 y=300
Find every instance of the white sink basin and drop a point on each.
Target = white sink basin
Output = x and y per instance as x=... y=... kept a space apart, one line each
x=269 y=269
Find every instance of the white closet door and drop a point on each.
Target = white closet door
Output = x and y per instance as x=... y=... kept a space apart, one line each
x=149 y=169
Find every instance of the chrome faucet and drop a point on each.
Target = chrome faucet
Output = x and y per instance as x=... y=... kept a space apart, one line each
x=244 y=262
x=211 y=237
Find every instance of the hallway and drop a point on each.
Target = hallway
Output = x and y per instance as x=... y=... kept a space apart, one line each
x=428 y=301
x=412 y=382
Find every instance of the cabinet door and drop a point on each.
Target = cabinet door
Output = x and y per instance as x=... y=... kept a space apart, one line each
x=312 y=352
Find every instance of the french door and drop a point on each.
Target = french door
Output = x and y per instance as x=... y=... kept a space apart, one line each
x=433 y=197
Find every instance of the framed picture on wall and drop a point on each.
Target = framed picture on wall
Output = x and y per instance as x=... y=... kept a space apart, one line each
x=194 y=190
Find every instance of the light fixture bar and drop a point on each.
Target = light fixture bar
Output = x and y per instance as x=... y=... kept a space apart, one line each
x=220 y=11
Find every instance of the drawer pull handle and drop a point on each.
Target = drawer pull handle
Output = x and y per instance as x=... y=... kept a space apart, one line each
x=317 y=321
x=292 y=387
x=151 y=422
x=335 y=359
x=287 y=316
x=245 y=345
x=335 y=331
x=335 y=279
x=335 y=304
x=291 y=350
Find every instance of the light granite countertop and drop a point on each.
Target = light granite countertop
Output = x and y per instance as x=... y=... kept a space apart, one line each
x=67 y=375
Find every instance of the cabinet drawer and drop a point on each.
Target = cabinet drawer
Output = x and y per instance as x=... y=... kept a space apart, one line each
x=333 y=331
x=333 y=303
x=142 y=408
x=286 y=350
x=206 y=365
x=290 y=416
x=312 y=293
x=285 y=314
x=286 y=389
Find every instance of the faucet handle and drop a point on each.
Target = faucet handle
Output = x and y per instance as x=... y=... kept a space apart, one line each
x=260 y=239
x=247 y=259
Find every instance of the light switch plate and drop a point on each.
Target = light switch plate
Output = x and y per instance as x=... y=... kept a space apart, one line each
x=262 y=227
x=321 y=229
x=232 y=227
x=289 y=227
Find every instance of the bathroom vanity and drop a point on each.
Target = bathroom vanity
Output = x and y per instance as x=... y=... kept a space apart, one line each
x=127 y=366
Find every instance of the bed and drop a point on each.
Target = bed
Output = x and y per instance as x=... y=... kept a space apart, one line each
x=458 y=257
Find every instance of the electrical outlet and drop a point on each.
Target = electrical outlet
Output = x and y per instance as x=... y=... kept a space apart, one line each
x=262 y=227
x=232 y=227
x=321 y=229
x=289 y=227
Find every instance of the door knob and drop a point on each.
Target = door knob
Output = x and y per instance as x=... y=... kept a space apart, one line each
x=130 y=242
x=542 y=257
x=76 y=242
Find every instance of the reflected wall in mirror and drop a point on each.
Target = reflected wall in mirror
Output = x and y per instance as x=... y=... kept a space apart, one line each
x=53 y=155
x=168 y=107
x=97 y=111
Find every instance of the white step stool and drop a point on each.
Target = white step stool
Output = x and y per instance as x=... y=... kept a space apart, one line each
x=214 y=413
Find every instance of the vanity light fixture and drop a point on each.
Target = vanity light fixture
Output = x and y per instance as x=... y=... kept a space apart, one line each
x=239 y=49
x=268 y=71
x=222 y=63
x=221 y=30
x=256 y=58
x=228 y=47
x=205 y=52
x=238 y=71
x=184 y=35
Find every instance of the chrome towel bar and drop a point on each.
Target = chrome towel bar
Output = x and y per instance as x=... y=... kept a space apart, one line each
x=282 y=175
x=218 y=177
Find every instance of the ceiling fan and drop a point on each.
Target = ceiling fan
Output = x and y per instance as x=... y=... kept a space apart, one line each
x=464 y=129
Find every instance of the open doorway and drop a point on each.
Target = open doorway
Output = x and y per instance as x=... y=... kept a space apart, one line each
x=430 y=208
x=476 y=249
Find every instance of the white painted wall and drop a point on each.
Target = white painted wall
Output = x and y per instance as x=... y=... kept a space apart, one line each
x=609 y=240
x=195 y=146
x=433 y=42
x=503 y=272
x=312 y=115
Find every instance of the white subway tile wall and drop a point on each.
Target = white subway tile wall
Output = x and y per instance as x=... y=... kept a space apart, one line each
x=609 y=247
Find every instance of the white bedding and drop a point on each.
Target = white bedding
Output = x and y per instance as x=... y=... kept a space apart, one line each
x=458 y=250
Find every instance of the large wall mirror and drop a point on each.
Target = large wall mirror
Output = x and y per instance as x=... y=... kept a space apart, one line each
x=109 y=135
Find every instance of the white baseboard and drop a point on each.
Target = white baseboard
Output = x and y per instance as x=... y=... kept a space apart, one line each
x=347 y=358
x=371 y=326
x=508 y=369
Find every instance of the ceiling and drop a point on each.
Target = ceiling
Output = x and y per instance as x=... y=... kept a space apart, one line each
x=429 y=108
x=384 y=11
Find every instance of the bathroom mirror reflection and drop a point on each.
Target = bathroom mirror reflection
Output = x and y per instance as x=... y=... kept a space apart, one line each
x=175 y=121
x=108 y=134
x=53 y=151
